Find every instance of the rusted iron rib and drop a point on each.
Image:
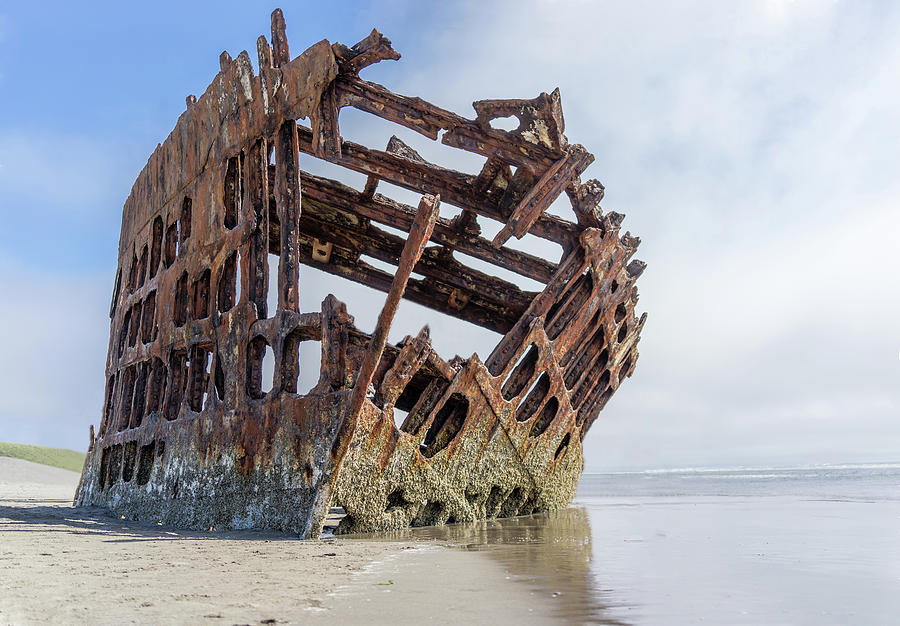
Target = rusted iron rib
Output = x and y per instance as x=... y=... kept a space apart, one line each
x=428 y=119
x=454 y=187
x=543 y=194
x=287 y=193
x=419 y=234
x=397 y=215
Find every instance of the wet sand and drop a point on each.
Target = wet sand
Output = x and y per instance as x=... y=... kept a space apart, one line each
x=809 y=546
x=59 y=564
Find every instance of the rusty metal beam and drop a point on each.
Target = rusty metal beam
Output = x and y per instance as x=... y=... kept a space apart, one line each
x=454 y=187
x=419 y=234
x=391 y=213
x=478 y=309
x=287 y=194
x=542 y=195
x=428 y=119
x=437 y=263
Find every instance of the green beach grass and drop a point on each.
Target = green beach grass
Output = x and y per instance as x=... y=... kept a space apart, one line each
x=55 y=457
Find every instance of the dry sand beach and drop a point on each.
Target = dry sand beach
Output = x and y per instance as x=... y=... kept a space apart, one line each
x=59 y=564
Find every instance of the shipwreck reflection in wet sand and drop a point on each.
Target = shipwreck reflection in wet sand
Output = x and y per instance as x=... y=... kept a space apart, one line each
x=550 y=552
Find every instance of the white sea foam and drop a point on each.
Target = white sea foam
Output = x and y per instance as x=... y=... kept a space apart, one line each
x=750 y=468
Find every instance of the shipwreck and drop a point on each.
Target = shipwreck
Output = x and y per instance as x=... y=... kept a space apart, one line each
x=192 y=436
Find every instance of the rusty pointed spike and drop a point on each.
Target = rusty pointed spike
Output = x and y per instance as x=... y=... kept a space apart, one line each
x=612 y=220
x=630 y=241
x=281 y=55
x=374 y=48
x=413 y=352
x=372 y=40
x=556 y=112
x=398 y=147
x=263 y=53
x=585 y=199
x=225 y=61
x=635 y=268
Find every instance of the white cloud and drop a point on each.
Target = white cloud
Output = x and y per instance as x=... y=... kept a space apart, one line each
x=65 y=174
x=53 y=330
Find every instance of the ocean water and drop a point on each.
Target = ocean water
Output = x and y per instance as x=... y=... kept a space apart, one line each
x=744 y=546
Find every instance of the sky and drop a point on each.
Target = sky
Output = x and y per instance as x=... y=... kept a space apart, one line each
x=751 y=145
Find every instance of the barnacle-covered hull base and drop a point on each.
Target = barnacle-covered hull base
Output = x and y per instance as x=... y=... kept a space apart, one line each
x=194 y=434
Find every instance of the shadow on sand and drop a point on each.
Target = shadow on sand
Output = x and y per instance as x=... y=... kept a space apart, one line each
x=60 y=516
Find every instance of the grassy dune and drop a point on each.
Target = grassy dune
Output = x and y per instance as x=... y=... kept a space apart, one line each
x=56 y=457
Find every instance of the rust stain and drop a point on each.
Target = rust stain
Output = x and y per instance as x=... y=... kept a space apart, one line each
x=190 y=434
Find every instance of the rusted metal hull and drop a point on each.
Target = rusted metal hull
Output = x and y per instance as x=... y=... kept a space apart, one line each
x=190 y=437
